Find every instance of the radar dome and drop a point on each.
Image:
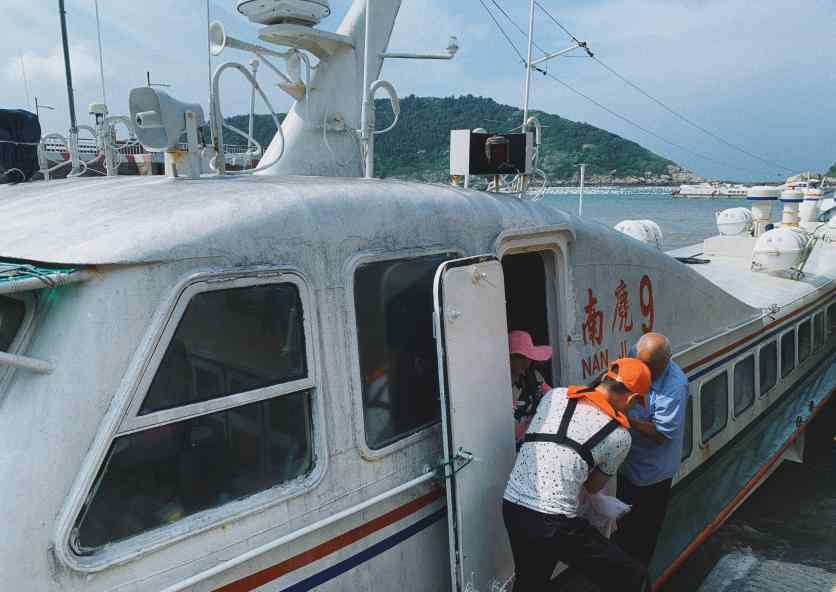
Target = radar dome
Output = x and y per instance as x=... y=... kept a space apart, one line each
x=275 y=12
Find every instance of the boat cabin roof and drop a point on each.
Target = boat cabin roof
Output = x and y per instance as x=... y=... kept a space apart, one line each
x=124 y=220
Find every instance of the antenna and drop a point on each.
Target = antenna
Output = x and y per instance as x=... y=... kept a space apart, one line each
x=25 y=80
x=149 y=83
x=101 y=58
x=580 y=188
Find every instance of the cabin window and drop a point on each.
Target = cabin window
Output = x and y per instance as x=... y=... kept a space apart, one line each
x=831 y=316
x=398 y=368
x=714 y=406
x=12 y=315
x=218 y=448
x=744 y=384
x=805 y=340
x=688 y=432
x=232 y=341
x=787 y=353
x=818 y=331
x=768 y=360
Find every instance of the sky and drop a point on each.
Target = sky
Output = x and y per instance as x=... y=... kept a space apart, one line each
x=760 y=74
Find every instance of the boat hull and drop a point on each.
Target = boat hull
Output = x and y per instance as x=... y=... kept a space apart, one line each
x=705 y=499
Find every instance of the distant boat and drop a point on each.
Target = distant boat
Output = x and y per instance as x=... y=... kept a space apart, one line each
x=709 y=190
x=699 y=190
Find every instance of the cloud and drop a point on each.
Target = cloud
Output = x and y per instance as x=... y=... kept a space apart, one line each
x=49 y=65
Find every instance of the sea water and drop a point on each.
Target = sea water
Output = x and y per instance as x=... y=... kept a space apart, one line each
x=684 y=222
x=788 y=527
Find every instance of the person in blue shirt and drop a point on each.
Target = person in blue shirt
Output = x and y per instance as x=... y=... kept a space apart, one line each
x=644 y=480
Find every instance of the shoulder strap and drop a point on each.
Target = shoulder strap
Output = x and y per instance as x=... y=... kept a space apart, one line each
x=599 y=436
x=584 y=450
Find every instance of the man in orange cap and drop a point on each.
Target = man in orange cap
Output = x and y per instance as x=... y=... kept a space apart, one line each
x=577 y=439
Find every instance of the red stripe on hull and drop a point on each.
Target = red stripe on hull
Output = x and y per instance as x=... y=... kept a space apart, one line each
x=332 y=546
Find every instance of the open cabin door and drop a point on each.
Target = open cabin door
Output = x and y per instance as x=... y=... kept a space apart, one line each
x=475 y=383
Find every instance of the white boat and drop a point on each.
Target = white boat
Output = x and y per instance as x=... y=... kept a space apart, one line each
x=732 y=190
x=281 y=381
x=698 y=190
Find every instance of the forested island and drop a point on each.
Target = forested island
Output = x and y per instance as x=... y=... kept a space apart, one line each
x=419 y=146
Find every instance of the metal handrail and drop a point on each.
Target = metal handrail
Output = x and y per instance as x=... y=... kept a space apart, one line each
x=253 y=553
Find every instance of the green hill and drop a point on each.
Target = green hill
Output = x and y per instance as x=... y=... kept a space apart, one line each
x=418 y=148
x=832 y=171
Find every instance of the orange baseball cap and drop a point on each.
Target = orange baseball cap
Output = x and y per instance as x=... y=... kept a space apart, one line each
x=632 y=373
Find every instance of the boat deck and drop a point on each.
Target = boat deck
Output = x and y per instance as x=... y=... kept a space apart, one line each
x=728 y=265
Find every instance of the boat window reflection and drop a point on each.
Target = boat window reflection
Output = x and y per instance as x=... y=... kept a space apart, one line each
x=231 y=341
x=744 y=384
x=394 y=305
x=818 y=331
x=227 y=342
x=768 y=366
x=688 y=432
x=787 y=353
x=714 y=405
x=805 y=340
x=12 y=313
x=158 y=476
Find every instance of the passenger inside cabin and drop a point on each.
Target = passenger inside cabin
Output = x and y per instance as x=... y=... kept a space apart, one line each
x=527 y=383
x=657 y=430
x=576 y=441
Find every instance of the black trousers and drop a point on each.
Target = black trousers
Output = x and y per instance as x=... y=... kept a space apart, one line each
x=539 y=541
x=638 y=530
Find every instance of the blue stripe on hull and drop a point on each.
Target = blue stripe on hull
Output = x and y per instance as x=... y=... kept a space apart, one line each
x=371 y=552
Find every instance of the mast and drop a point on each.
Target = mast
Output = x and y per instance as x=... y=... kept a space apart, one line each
x=527 y=88
x=70 y=98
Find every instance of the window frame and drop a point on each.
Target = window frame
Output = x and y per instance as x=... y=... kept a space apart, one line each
x=809 y=322
x=132 y=392
x=24 y=333
x=819 y=317
x=353 y=349
x=761 y=392
x=755 y=384
x=135 y=422
x=829 y=321
x=781 y=375
x=729 y=405
x=689 y=404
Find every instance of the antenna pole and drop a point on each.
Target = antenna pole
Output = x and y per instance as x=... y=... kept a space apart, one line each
x=527 y=88
x=101 y=57
x=70 y=98
x=367 y=137
x=25 y=80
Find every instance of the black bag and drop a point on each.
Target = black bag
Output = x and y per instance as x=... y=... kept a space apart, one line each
x=20 y=132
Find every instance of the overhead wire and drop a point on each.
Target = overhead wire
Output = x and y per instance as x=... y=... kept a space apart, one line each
x=587 y=97
x=662 y=104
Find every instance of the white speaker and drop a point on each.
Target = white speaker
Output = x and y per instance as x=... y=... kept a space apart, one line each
x=159 y=120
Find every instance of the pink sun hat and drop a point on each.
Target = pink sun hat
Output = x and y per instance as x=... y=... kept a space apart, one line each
x=520 y=342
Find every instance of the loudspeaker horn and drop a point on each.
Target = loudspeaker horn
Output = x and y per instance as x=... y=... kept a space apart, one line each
x=219 y=40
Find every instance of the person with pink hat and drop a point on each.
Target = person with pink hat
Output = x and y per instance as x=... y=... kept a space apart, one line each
x=528 y=384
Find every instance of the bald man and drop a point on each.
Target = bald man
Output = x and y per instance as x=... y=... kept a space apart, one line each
x=645 y=478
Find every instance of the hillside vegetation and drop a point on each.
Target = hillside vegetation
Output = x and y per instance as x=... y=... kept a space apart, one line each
x=418 y=148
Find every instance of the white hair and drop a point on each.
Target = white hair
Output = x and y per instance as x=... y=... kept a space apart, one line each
x=643 y=344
